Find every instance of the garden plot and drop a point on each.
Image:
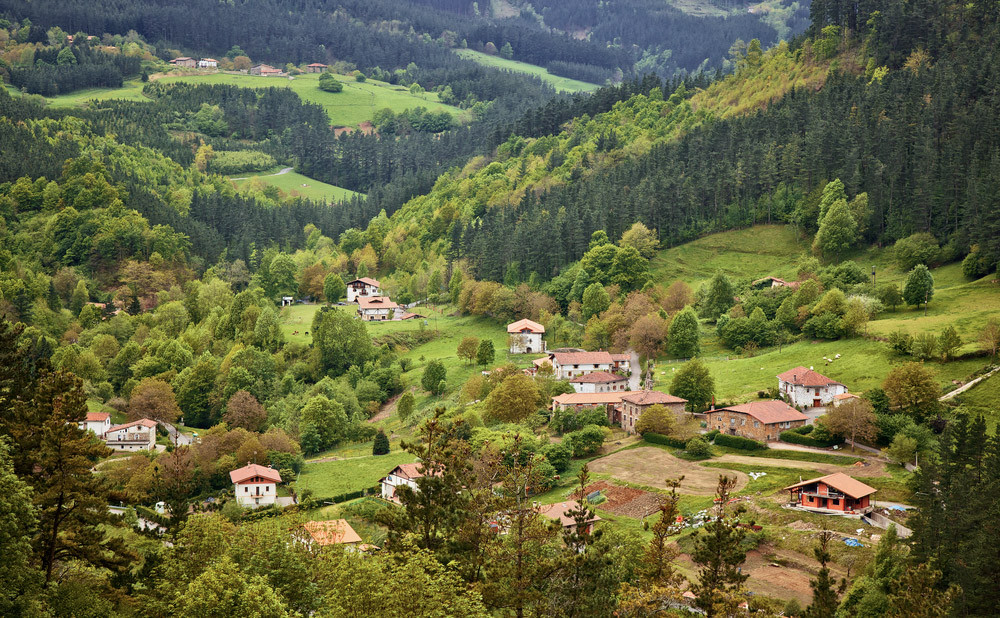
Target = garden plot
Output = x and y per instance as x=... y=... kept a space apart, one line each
x=626 y=501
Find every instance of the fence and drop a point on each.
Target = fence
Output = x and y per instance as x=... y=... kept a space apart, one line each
x=881 y=521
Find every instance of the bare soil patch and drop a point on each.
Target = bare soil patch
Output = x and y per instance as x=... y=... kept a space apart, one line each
x=627 y=501
x=651 y=466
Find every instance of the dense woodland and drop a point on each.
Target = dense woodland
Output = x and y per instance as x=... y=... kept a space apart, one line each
x=135 y=278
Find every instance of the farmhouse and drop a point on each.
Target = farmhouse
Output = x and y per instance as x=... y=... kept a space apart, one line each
x=208 y=63
x=566 y=365
x=758 y=420
x=843 y=398
x=266 y=70
x=834 y=493
x=97 y=422
x=637 y=402
x=135 y=436
x=774 y=282
x=183 y=61
x=560 y=512
x=805 y=388
x=316 y=67
x=623 y=363
x=332 y=532
x=363 y=287
x=403 y=474
x=375 y=308
x=579 y=401
x=255 y=485
x=525 y=337
x=599 y=382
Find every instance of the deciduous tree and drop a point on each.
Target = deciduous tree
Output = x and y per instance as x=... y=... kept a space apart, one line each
x=485 y=353
x=434 y=377
x=693 y=382
x=467 y=348
x=513 y=400
x=154 y=399
x=657 y=419
x=912 y=390
x=919 y=287
x=243 y=410
x=684 y=335
x=852 y=419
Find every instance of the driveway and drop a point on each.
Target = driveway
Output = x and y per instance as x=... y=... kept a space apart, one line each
x=177 y=438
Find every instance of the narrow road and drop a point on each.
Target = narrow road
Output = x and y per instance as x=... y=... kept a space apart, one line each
x=283 y=171
x=177 y=438
x=965 y=387
x=635 y=380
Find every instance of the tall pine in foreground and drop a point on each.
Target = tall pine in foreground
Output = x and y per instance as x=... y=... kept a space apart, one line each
x=718 y=554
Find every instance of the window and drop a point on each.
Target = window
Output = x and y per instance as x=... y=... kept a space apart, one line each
x=756 y=424
x=835 y=501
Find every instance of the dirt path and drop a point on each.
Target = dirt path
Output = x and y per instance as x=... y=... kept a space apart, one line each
x=965 y=387
x=282 y=172
x=386 y=410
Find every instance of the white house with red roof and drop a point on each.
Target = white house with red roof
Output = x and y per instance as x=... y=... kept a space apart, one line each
x=599 y=382
x=208 y=63
x=525 y=337
x=757 y=420
x=566 y=365
x=97 y=422
x=138 y=435
x=807 y=389
x=255 y=485
x=403 y=474
x=363 y=287
x=375 y=308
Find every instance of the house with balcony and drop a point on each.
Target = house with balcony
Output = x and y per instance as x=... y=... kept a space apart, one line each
x=376 y=308
x=363 y=286
x=138 y=435
x=255 y=485
x=835 y=494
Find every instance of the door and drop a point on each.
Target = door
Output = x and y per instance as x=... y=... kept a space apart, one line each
x=817 y=403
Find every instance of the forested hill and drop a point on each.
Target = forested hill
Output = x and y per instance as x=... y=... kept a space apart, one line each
x=904 y=115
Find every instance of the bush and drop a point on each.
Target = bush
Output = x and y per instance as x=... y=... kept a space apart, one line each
x=710 y=436
x=698 y=447
x=558 y=455
x=819 y=439
x=587 y=441
x=739 y=442
x=381 y=445
x=330 y=83
x=657 y=438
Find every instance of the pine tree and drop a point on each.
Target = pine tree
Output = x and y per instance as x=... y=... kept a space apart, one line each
x=824 y=602
x=718 y=554
x=719 y=299
x=381 y=446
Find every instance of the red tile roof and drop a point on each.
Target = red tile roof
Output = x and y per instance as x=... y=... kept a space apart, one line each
x=144 y=422
x=366 y=280
x=598 y=377
x=589 y=399
x=846 y=396
x=646 y=398
x=98 y=417
x=842 y=483
x=583 y=358
x=558 y=512
x=249 y=471
x=621 y=357
x=332 y=532
x=805 y=377
x=317 y=64
x=408 y=471
x=768 y=412
x=376 y=302
x=525 y=324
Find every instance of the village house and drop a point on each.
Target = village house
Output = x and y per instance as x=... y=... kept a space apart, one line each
x=183 y=61
x=316 y=67
x=805 y=388
x=403 y=474
x=376 y=308
x=599 y=382
x=843 y=398
x=757 y=420
x=138 y=435
x=637 y=402
x=363 y=287
x=834 y=494
x=525 y=337
x=266 y=70
x=333 y=532
x=255 y=485
x=622 y=363
x=566 y=365
x=97 y=422
x=208 y=63
x=579 y=401
x=559 y=512
x=774 y=282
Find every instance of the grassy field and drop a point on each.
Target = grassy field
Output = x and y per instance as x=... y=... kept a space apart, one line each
x=331 y=478
x=984 y=398
x=741 y=254
x=356 y=104
x=292 y=183
x=562 y=84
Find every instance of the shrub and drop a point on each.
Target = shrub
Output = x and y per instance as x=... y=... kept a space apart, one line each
x=698 y=447
x=587 y=441
x=820 y=438
x=710 y=436
x=657 y=438
x=330 y=83
x=558 y=455
x=381 y=445
x=739 y=442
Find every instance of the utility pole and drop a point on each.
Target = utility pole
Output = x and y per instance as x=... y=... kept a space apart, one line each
x=873 y=275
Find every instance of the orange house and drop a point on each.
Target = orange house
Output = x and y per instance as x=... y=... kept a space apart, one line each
x=834 y=493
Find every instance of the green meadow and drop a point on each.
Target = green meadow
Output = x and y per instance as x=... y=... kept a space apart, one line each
x=331 y=478
x=562 y=84
x=293 y=183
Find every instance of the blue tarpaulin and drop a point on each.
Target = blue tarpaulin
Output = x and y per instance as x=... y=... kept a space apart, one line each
x=853 y=543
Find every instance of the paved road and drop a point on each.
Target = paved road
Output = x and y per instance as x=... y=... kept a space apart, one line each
x=178 y=438
x=635 y=380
